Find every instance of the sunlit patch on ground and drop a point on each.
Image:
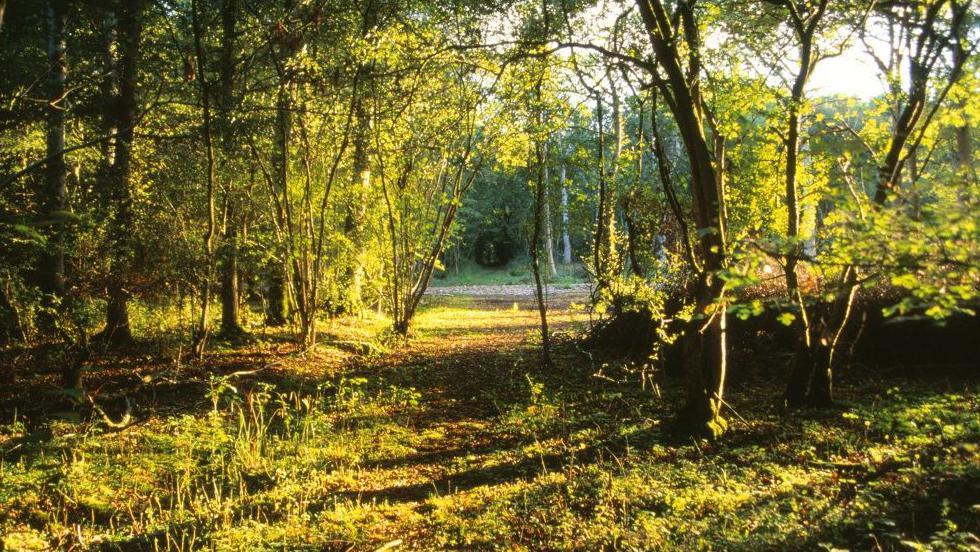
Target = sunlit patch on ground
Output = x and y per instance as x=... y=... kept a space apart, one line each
x=462 y=439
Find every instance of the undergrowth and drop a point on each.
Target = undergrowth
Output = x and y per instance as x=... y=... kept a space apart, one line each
x=465 y=442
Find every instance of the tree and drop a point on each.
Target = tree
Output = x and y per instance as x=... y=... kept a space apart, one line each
x=52 y=266
x=677 y=77
x=230 y=316
x=117 y=330
x=929 y=31
x=207 y=136
x=356 y=222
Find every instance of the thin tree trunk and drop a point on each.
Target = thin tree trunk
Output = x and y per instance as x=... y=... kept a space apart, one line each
x=280 y=285
x=203 y=327
x=609 y=263
x=632 y=238
x=107 y=92
x=804 y=358
x=566 y=240
x=52 y=262
x=598 y=259
x=629 y=199
x=356 y=218
x=539 y=199
x=964 y=138
x=549 y=243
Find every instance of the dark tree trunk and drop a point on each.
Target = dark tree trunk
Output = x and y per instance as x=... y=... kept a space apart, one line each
x=632 y=238
x=117 y=330
x=230 y=315
x=803 y=363
x=51 y=271
x=964 y=138
x=705 y=353
x=821 y=392
x=354 y=223
x=801 y=369
x=539 y=200
x=275 y=311
x=598 y=259
x=607 y=255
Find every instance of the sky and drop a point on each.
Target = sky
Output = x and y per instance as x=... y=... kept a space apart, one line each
x=853 y=74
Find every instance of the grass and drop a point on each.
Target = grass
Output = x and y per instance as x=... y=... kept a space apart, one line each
x=516 y=272
x=463 y=440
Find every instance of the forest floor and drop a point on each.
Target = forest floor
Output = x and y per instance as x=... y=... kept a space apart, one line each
x=463 y=439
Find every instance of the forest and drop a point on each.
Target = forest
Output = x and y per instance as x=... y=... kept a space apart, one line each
x=489 y=275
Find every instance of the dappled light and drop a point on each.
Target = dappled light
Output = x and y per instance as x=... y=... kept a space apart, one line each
x=479 y=275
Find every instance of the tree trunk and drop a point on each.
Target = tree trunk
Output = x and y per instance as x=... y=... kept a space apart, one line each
x=117 y=330
x=203 y=328
x=964 y=139
x=804 y=361
x=51 y=270
x=566 y=240
x=230 y=315
x=275 y=309
x=539 y=199
x=549 y=243
x=706 y=366
x=608 y=262
x=107 y=92
x=229 y=281
x=356 y=217
x=821 y=383
x=801 y=368
x=701 y=414
x=52 y=264
x=632 y=238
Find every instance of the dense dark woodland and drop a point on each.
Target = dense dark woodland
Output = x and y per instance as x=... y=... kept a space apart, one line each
x=252 y=256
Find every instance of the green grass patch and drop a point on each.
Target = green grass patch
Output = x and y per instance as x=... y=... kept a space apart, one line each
x=516 y=272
